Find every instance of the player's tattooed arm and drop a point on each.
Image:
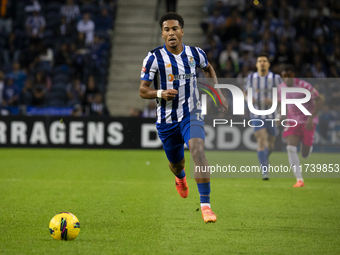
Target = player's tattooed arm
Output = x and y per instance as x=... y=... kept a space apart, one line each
x=149 y=93
x=209 y=73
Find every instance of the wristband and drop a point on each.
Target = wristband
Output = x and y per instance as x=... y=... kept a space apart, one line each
x=159 y=93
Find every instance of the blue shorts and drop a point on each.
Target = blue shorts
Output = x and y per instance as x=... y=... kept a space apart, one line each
x=174 y=135
x=268 y=125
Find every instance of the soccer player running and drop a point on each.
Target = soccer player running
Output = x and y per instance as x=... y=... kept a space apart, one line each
x=304 y=130
x=262 y=83
x=178 y=104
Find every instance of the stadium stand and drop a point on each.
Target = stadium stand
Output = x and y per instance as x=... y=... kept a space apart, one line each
x=46 y=45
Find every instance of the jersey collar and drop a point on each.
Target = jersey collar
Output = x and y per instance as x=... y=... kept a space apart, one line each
x=172 y=53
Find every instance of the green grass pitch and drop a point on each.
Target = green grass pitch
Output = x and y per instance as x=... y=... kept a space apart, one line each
x=127 y=206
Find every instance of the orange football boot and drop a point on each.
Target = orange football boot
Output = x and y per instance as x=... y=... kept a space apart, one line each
x=182 y=186
x=299 y=184
x=208 y=215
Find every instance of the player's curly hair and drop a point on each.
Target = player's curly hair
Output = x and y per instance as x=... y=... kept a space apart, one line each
x=171 y=16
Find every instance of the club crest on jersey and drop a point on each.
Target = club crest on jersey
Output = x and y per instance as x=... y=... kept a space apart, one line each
x=192 y=62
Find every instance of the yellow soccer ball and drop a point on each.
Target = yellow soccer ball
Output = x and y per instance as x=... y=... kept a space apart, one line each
x=64 y=226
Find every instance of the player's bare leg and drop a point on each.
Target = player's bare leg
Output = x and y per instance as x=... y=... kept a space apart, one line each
x=196 y=147
x=271 y=144
x=180 y=178
x=306 y=150
x=294 y=161
x=262 y=143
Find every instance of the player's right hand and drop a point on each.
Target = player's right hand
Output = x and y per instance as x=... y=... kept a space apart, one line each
x=169 y=94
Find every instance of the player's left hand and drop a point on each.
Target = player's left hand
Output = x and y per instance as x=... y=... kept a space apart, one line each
x=225 y=106
x=309 y=123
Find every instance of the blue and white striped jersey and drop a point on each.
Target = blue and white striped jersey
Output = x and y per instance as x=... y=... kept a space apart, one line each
x=175 y=72
x=262 y=88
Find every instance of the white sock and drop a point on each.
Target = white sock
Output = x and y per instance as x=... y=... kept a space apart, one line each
x=205 y=204
x=294 y=161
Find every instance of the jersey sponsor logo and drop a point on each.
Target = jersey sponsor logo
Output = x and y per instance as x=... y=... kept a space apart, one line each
x=168 y=65
x=143 y=69
x=177 y=77
x=192 y=62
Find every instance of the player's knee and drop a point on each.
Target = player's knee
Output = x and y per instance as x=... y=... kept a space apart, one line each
x=197 y=153
x=306 y=153
x=178 y=167
x=291 y=149
x=261 y=143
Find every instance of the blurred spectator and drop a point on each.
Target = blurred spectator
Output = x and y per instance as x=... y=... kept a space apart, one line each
x=70 y=11
x=283 y=55
x=28 y=55
x=39 y=94
x=5 y=16
x=150 y=110
x=98 y=107
x=2 y=85
x=75 y=91
x=12 y=49
x=32 y=6
x=77 y=111
x=318 y=70
x=11 y=93
x=91 y=91
x=46 y=55
x=248 y=45
x=35 y=25
x=18 y=75
x=104 y=22
x=64 y=30
x=134 y=112
x=63 y=56
x=249 y=32
x=228 y=53
x=286 y=30
x=266 y=41
x=247 y=60
x=327 y=120
x=285 y=11
x=87 y=26
x=26 y=95
x=42 y=79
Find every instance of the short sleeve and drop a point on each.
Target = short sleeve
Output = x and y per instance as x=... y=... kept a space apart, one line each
x=149 y=67
x=311 y=89
x=278 y=80
x=203 y=58
x=247 y=83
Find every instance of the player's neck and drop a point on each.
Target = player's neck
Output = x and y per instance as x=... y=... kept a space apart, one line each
x=263 y=74
x=176 y=51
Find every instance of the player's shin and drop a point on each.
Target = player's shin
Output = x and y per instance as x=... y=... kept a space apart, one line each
x=263 y=160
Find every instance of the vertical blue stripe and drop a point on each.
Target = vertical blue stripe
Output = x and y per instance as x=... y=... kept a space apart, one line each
x=265 y=91
x=148 y=66
x=258 y=93
x=174 y=67
x=161 y=69
x=187 y=83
